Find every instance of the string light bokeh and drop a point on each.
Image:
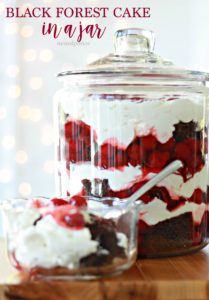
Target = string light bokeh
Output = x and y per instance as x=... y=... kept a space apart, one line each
x=29 y=63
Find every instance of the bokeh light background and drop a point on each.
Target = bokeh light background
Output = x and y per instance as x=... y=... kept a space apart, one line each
x=30 y=61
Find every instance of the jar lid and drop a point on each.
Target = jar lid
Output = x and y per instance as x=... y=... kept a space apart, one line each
x=133 y=61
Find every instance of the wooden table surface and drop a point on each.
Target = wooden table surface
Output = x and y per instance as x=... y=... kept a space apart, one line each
x=185 y=278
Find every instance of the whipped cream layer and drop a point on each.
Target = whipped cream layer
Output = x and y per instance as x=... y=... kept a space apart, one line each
x=128 y=176
x=123 y=119
x=118 y=179
x=156 y=211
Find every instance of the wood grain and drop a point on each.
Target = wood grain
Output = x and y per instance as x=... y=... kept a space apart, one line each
x=178 y=278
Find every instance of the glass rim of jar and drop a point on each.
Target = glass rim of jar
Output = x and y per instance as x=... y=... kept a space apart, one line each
x=133 y=77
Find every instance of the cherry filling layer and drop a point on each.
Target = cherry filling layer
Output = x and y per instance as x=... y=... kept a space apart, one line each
x=188 y=144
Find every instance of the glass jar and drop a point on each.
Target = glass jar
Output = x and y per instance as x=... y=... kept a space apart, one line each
x=121 y=120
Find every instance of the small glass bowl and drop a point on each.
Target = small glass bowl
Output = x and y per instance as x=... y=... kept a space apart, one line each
x=70 y=242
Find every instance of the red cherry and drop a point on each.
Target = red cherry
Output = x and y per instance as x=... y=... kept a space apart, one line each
x=158 y=159
x=68 y=216
x=110 y=156
x=122 y=194
x=148 y=142
x=195 y=164
x=146 y=198
x=71 y=130
x=58 y=202
x=71 y=152
x=189 y=152
x=78 y=201
x=78 y=151
x=126 y=192
x=183 y=152
x=197 y=197
x=120 y=159
x=194 y=145
x=85 y=130
x=74 y=221
x=168 y=146
x=77 y=130
x=135 y=153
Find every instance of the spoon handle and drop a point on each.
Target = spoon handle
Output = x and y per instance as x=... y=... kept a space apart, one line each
x=171 y=168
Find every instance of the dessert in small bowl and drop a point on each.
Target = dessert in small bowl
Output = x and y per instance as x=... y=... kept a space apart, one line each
x=64 y=238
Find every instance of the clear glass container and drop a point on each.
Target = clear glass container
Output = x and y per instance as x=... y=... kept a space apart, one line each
x=121 y=120
x=55 y=239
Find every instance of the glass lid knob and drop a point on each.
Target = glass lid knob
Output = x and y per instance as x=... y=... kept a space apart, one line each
x=133 y=40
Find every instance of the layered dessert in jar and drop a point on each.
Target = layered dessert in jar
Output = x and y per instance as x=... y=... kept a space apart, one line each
x=122 y=121
x=63 y=238
x=128 y=141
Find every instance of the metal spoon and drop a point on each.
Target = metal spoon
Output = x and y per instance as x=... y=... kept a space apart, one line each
x=169 y=169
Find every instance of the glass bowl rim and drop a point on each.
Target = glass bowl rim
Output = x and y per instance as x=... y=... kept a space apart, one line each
x=120 y=204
